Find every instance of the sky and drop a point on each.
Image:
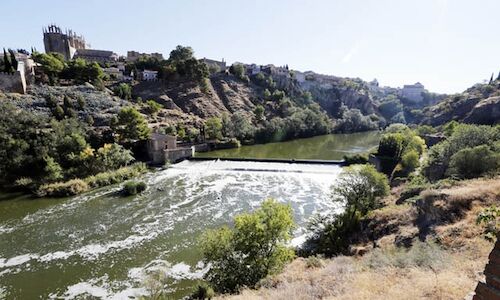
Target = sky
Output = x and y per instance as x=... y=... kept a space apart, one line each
x=447 y=45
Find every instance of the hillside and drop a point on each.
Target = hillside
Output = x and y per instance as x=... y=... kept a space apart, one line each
x=445 y=215
x=479 y=104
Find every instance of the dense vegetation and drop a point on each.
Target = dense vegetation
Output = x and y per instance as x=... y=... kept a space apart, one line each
x=253 y=249
x=36 y=152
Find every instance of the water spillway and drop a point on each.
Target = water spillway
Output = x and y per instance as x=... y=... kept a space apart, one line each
x=103 y=245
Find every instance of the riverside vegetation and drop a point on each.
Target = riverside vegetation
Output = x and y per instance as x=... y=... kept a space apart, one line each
x=433 y=232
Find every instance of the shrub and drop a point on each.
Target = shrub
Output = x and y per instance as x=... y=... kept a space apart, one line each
x=116 y=176
x=410 y=161
x=252 y=250
x=134 y=188
x=153 y=107
x=356 y=159
x=123 y=91
x=63 y=189
x=313 y=262
x=490 y=218
x=202 y=292
x=473 y=162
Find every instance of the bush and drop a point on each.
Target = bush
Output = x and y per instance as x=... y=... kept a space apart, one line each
x=116 y=176
x=464 y=136
x=356 y=159
x=123 y=91
x=253 y=249
x=473 y=162
x=153 y=107
x=134 y=188
x=410 y=161
x=313 y=262
x=63 y=189
x=202 y=292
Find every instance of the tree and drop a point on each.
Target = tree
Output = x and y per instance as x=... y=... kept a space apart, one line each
x=253 y=249
x=473 y=162
x=123 y=91
x=131 y=125
x=13 y=60
x=7 y=66
x=213 y=128
x=358 y=188
x=52 y=65
x=259 y=112
x=153 y=107
x=267 y=94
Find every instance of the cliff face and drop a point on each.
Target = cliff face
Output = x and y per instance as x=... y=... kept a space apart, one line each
x=480 y=104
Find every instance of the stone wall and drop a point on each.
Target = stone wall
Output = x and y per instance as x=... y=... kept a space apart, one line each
x=13 y=83
x=490 y=289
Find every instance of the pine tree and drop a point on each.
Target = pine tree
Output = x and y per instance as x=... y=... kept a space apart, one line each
x=7 y=67
x=13 y=60
x=498 y=78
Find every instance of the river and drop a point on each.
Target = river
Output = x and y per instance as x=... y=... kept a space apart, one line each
x=103 y=245
x=327 y=147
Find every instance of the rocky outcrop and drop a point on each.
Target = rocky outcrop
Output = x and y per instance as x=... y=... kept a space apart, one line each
x=487 y=111
x=490 y=288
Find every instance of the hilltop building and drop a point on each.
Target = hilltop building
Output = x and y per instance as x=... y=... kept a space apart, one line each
x=66 y=43
x=133 y=56
x=220 y=65
x=413 y=92
x=99 y=56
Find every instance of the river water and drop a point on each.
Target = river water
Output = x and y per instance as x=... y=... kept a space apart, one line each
x=102 y=245
x=329 y=147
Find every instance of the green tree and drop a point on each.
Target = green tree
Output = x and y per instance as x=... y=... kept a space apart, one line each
x=358 y=188
x=131 y=125
x=51 y=65
x=259 y=112
x=7 y=66
x=252 y=250
x=473 y=162
x=213 y=128
x=123 y=91
x=13 y=60
x=267 y=94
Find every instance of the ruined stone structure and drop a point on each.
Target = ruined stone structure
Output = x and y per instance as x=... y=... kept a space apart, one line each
x=490 y=288
x=100 y=56
x=13 y=83
x=413 y=92
x=132 y=56
x=66 y=43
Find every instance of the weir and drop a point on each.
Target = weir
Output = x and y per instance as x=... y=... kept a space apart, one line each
x=274 y=160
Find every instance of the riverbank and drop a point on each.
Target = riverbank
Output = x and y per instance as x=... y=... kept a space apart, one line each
x=443 y=256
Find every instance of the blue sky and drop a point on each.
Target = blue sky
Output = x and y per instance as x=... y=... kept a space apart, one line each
x=448 y=45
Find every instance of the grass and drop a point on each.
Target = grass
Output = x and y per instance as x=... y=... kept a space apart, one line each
x=447 y=265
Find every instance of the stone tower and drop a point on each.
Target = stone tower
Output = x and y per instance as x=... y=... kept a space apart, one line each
x=66 y=43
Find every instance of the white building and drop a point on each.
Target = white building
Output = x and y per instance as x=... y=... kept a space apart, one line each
x=148 y=75
x=413 y=92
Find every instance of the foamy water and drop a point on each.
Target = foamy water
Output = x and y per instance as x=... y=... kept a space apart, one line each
x=103 y=245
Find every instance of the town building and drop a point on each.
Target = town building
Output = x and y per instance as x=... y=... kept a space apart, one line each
x=215 y=64
x=253 y=69
x=65 y=43
x=99 y=56
x=148 y=75
x=413 y=92
x=113 y=72
x=162 y=148
x=133 y=56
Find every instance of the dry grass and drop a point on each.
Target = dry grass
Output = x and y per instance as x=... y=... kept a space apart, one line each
x=448 y=271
